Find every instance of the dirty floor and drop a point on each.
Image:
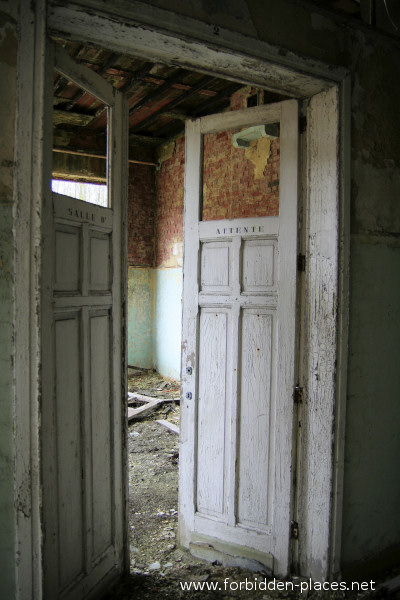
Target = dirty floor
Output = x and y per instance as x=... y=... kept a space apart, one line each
x=159 y=569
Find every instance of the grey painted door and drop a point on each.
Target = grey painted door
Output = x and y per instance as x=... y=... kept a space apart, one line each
x=83 y=375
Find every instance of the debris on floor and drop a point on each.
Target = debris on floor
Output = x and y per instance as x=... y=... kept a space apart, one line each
x=159 y=568
x=147 y=390
x=169 y=425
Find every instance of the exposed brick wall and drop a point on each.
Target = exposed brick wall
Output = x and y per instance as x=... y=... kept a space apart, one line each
x=169 y=220
x=231 y=187
x=234 y=187
x=237 y=183
x=141 y=215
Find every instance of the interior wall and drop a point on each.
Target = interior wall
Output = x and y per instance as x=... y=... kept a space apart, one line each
x=8 y=74
x=169 y=259
x=371 y=519
x=240 y=182
x=372 y=484
x=155 y=230
x=141 y=246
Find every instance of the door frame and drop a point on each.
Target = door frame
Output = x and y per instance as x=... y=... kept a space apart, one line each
x=249 y=61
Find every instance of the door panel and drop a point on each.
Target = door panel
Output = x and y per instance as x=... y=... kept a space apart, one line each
x=254 y=420
x=238 y=344
x=211 y=411
x=69 y=446
x=83 y=376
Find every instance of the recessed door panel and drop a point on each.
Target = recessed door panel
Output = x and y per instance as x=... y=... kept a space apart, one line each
x=211 y=412
x=100 y=262
x=259 y=265
x=67 y=259
x=256 y=419
x=216 y=267
x=68 y=400
x=101 y=430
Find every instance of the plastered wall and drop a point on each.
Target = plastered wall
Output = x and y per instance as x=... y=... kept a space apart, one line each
x=8 y=64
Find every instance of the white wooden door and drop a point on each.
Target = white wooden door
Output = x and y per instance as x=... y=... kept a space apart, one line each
x=238 y=361
x=83 y=381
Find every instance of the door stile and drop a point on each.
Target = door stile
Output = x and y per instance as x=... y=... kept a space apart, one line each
x=118 y=178
x=87 y=434
x=46 y=347
x=190 y=326
x=286 y=320
x=231 y=425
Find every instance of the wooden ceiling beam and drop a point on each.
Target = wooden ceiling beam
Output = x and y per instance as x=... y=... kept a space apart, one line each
x=217 y=103
x=132 y=80
x=102 y=156
x=225 y=94
x=80 y=93
x=178 y=76
x=147 y=139
x=172 y=103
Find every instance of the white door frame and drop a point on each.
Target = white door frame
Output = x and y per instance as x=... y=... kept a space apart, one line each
x=190 y=44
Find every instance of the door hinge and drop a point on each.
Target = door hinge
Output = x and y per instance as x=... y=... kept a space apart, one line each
x=302 y=124
x=294 y=530
x=298 y=395
x=301 y=262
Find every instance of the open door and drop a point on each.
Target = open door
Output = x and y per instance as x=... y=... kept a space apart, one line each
x=83 y=371
x=238 y=357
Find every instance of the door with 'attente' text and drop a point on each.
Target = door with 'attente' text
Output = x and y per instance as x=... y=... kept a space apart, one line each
x=240 y=247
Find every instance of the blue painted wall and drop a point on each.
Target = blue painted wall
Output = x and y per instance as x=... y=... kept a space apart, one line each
x=167 y=322
x=155 y=319
x=140 y=317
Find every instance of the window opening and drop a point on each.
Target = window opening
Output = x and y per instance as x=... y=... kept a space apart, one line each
x=80 y=128
x=94 y=193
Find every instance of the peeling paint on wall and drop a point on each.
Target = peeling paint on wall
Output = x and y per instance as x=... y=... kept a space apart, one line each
x=165 y=152
x=258 y=153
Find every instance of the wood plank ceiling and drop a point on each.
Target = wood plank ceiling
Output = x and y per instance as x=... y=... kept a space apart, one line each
x=161 y=98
